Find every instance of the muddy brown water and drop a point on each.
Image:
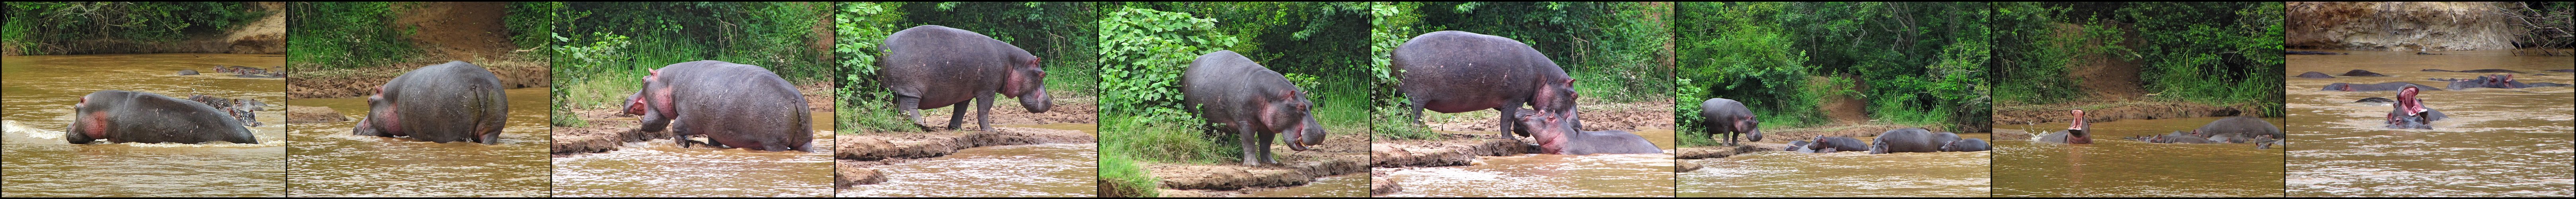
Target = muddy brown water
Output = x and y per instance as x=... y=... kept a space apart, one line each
x=1040 y=170
x=2113 y=167
x=1346 y=185
x=40 y=92
x=2496 y=143
x=659 y=168
x=1845 y=174
x=327 y=161
x=1544 y=175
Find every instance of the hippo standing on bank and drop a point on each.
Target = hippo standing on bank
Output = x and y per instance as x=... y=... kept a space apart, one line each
x=1556 y=135
x=2409 y=112
x=450 y=102
x=1727 y=118
x=1910 y=140
x=2390 y=86
x=1251 y=101
x=933 y=66
x=2074 y=133
x=733 y=105
x=137 y=117
x=1457 y=71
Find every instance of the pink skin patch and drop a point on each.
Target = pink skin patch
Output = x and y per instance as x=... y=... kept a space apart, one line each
x=392 y=120
x=97 y=124
x=2079 y=121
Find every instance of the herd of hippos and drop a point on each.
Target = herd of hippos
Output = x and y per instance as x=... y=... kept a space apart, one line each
x=2407 y=111
x=930 y=66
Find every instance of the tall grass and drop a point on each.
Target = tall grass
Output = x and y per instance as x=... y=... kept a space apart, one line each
x=1131 y=176
x=1164 y=142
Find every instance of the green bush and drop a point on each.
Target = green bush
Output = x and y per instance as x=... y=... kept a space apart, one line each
x=531 y=24
x=1059 y=33
x=345 y=35
x=1142 y=54
x=36 y=27
x=604 y=47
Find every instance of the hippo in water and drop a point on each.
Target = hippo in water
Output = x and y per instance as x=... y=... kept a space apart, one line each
x=187 y=72
x=1830 y=144
x=2074 y=133
x=2177 y=137
x=450 y=102
x=1968 y=145
x=733 y=105
x=2362 y=73
x=2492 y=81
x=1556 y=135
x=1800 y=146
x=2238 y=129
x=240 y=109
x=2390 y=86
x=2475 y=71
x=1910 y=140
x=2314 y=74
x=137 y=117
x=1459 y=71
x=2302 y=52
x=2409 y=112
x=2374 y=101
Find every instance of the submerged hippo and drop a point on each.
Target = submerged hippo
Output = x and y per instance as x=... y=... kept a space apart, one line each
x=2314 y=74
x=1728 y=118
x=1910 y=140
x=2238 y=129
x=1830 y=144
x=1556 y=135
x=2362 y=73
x=450 y=102
x=2475 y=71
x=1800 y=146
x=1458 y=71
x=239 y=109
x=187 y=72
x=933 y=66
x=1968 y=145
x=2390 y=86
x=137 y=117
x=2302 y=52
x=2074 y=133
x=2374 y=101
x=2177 y=137
x=733 y=105
x=1254 y=103
x=2492 y=81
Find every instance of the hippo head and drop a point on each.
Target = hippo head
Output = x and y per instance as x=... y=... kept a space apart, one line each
x=2406 y=101
x=1547 y=128
x=381 y=119
x=1027 y=80
x=2077 y=130
x=89 y=123
x=1555 y=97
x=1750 y=127
x=652 y=102
x=1294 y=113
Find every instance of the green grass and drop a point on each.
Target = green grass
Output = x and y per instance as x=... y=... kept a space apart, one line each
x=1616 y=88
x=1163 y=142
x=1394 y=125
x=876 y=117
x=1123 y=170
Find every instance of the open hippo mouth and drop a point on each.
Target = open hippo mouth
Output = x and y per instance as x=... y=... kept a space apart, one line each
x=2077 y=129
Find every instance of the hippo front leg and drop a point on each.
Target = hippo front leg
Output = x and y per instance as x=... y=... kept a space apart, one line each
x=1243 y=137
x=1510 y=109
x=1265 y=147
x=983 y=113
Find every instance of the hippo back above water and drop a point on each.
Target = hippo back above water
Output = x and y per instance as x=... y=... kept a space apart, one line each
x=137 y=117
x=931 y=66
x=2238 y=129
x=1910 y=140
x=1239 y=96
x=733 y=105
x=1458 y=71
x=1556 y=135
x=451 y=102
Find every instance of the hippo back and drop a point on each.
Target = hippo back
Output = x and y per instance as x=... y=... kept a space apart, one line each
x=137 y=117
x=1473 y=71
x=454 y=101
x=1612 y=142
x=738 y=105
x=2240 y=127
x=1904 y=140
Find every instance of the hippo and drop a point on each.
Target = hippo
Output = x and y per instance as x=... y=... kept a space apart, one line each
x=1236 y=95
x=733 y=105
x=239 y=109
x=1800 y=146
x=2177 y=137
x=2374 y=101
x=1726 y=118
x=2266 y=142
x=450 y=102
x=2362 y=73
x=2074 y=133
x=2563 y=70
x=2314 y=74
x=2409 y=112
x=1556 y=135
x=2475 y=71
x=2238 y=129
x=1968 y=145
x=933 y=66
x=137 y=117
x=1457 y=71
x=187 y=72
x=1910 y=140
x=2426 y=53
x=1830 y=144
x=2492 y=81
x=2300 y=52
x=2390 y=86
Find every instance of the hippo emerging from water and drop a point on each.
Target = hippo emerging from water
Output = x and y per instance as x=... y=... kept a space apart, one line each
x=933 y=66
x=450 y=102
x=1252 y=102
x=2362 y=73
x=1458 y=71
x=137 y=117
x=2409 y=112
x=1556 y=135
x=1830 y=144
x=733 y=105
x=2074 y=134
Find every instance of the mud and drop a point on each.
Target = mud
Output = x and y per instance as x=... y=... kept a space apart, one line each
x=883 y=146
x=1067 y=110
x=316 y=82
x=1685 y=166
x=2398 y=26
x=1379 y=185
x=313 y=114
x=1456 y=149
x=456 y=30
x=1595 y=116
x=1295 y=169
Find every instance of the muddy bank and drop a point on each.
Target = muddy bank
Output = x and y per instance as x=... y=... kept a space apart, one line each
x=1595 y=116
x=313 y=114
x=266 y=35
x=2113 y=111
x=314 y=82
x=2399 y=26
x=1454 y=149
x=1706 y=152
x=1296 y=168
x=608 y=130
x=1380 y=185
x=1067 y=110
x=854 y=155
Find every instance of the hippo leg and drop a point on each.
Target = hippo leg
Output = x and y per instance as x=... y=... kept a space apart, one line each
x=957 y=115
x=1243 y=137
x=983 y=113
x=1510 y=109
x=1265 y=147
x=911 y=106
x=1415 y=105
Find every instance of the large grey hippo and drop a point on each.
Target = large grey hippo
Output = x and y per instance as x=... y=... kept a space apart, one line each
x=933 y=66
x=1727 y=118
x=1254 y=103
x=1556 y=135
x=2074 y=133
x=1457 y=71
x=733 y=105
x=450 y=102
x=137 y=117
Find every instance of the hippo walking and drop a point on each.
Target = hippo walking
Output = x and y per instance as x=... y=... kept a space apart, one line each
x=1458 y=71
x=451 y=102
x=733 y=105
x=933 y=66
x=1254 y=103
x=1727 y=118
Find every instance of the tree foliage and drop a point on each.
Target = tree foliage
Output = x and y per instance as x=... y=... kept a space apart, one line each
x=37 y=27
x=1922 y=63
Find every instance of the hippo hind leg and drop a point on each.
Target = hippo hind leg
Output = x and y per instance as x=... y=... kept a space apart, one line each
x=957 y=117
